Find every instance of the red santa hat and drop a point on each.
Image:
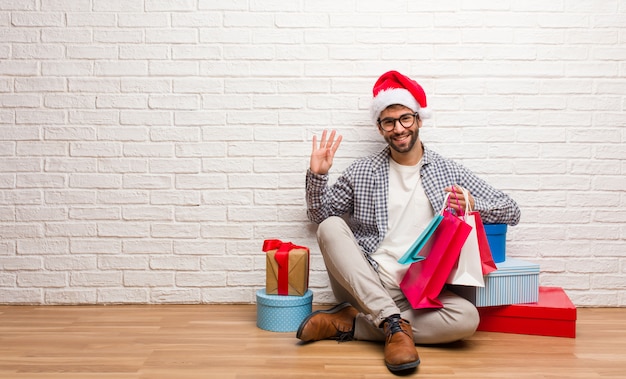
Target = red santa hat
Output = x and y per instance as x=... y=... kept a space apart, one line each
x=394 y=88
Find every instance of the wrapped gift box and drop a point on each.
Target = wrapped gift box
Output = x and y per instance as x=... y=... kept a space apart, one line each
x=496 y=236
x=287 y=268
x=553 y=315
x=279 y=313
x=514 y=282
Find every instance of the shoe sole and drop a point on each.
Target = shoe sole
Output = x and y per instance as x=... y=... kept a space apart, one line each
x=332 y=310
x=403 y=367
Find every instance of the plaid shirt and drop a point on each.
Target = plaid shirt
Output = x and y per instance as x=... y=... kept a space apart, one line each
x=362 y=190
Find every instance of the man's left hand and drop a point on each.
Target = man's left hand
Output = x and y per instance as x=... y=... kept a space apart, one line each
x=461 y=204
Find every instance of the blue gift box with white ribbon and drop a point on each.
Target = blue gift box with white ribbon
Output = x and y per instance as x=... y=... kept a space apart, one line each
x=514 y=282
x=281 y=313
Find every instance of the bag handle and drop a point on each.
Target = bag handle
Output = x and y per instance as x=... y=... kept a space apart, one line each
x=468 y=209
x=446 y=203
x=468 y=205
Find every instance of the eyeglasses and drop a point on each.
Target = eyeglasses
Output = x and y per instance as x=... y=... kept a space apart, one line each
x=406 y=120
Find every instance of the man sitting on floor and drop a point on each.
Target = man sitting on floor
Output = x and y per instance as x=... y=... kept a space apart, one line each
x=373 y=213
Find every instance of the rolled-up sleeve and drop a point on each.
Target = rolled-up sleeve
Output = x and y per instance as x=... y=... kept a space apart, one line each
x=493 y=205
x=315 y=185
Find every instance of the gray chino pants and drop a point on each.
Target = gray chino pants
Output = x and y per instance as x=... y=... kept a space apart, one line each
x=353 y=279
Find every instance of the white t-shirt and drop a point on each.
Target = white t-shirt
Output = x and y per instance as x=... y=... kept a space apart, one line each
x=409 y=213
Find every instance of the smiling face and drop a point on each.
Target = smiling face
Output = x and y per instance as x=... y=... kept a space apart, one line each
x=403 y=141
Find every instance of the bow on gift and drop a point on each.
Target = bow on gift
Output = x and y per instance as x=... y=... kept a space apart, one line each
x=282 y=259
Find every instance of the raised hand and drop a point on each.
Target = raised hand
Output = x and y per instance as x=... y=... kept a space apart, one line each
x=322 y=155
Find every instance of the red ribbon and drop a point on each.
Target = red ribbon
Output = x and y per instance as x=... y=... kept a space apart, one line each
x=282 y=258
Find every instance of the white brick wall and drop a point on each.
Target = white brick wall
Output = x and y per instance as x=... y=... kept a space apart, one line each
x=148 y=147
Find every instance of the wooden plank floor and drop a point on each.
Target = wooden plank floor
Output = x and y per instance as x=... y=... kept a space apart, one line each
x=222 y=341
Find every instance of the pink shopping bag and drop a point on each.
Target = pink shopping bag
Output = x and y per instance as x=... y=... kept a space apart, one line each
x=425 y=279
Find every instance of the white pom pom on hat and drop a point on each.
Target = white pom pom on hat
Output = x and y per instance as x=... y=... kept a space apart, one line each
x=394 y=88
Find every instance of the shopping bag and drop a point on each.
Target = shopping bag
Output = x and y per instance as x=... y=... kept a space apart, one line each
x=468 y=270
x=413 y=253
x=425 y=279
x=486 y=258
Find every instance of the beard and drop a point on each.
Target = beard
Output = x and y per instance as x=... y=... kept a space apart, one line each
x=403 y=142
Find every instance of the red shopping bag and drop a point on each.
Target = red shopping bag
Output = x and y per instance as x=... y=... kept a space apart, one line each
x=425 y=279
x=486 y=259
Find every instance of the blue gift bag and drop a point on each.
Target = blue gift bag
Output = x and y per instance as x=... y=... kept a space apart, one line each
x=412 y=255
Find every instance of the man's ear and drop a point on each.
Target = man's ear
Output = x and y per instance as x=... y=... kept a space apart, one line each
x=380 y=131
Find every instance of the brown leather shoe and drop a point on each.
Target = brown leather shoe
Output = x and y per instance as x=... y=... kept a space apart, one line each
x=336 y=323
x=400 y=352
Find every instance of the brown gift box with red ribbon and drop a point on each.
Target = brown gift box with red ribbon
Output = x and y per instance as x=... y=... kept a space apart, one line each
x=287 y=268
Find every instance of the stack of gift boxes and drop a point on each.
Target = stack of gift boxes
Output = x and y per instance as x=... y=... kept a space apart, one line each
x=512 y=300
x=286 y=299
